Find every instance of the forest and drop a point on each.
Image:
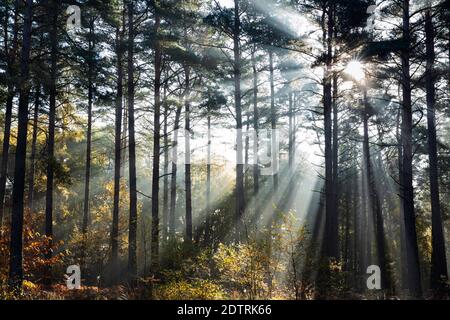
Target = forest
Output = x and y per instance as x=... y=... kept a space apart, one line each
x=224 y=149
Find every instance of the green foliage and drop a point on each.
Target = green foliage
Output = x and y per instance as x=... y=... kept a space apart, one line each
x=242 y=270
x=92 y=250
x=199 y=289
x=331 y=280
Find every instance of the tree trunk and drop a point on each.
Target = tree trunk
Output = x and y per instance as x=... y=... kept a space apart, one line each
x=331 y=227
x=335 y=154
x=187 y=165
x=51 y=160
x=255 y=125
x=364 y=216
x=380 y=239
x=33 y=148
x=372 y=200
x=87 y=173
x=291 y=131
x=5 y=151
x=335 y=147
x=240 y=199
x=381 y=231
x=173 y=177
x=439 y=274
x=156 y=150
x=367 y=190
x=346 y=246
x=11 y=56
x=246 y=151
x=357 y=233
x=125 y=138
x=273 y=122
x=117 y=152
x=15 y=258
x=165 y=213
x=412 y=250
x=132 y=258
x=403 y=263
x=208 y=182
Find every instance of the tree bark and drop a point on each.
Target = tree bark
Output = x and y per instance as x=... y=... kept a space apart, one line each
x=5 y=151
x=117 y=152
x=37 y=102
x=87 y=173
x=246 y=151
x=165 y=208
x=132 y=255
x=255 y=125
x=187 y=154
x=273 y=122
x=15 y=258
x=156 y=149
x=412 y=250
x=291 y=131
x=403 y=262
x=335 y=145
x=51 y=160
x=372 y=200
x=208 y=181
x=11 y=60
x=331 y=228
x=240 y=199
x=173 y=177
x=346 y=245
x=439 y=274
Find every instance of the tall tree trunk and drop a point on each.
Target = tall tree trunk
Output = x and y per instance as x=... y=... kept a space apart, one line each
x=87 y=173
x=294 y=126
x=132 y=246
x=165 y=209
x=335 y=152
x=37 y=101
x=331 y=228
x=125 y=139
x=5 y=151
x=273 y=122
x=51 y=160
x=15 y=249
x=173 y=177
x=11 y=60
x=246 y=152
x=372 y=199
x=346 y=246
x=380 y=233
x=208 y=181
x=380 y=240
x=291 y=131
x=412 y=250
x=367 y=199
x=439 y=274
x=403 y=262
x=255 y=125
x=156 y=149
x=357 y=233
x=364 y=215
x=335 y=141
x=117 y=152
x=187 y=165
x=239 y=193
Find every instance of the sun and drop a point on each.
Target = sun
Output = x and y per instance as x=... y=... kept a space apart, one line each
x=355 y=69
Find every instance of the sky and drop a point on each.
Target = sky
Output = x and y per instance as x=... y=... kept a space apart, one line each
x=226 y=3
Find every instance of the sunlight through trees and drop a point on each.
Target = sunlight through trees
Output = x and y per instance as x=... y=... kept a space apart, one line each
x=225 y=149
